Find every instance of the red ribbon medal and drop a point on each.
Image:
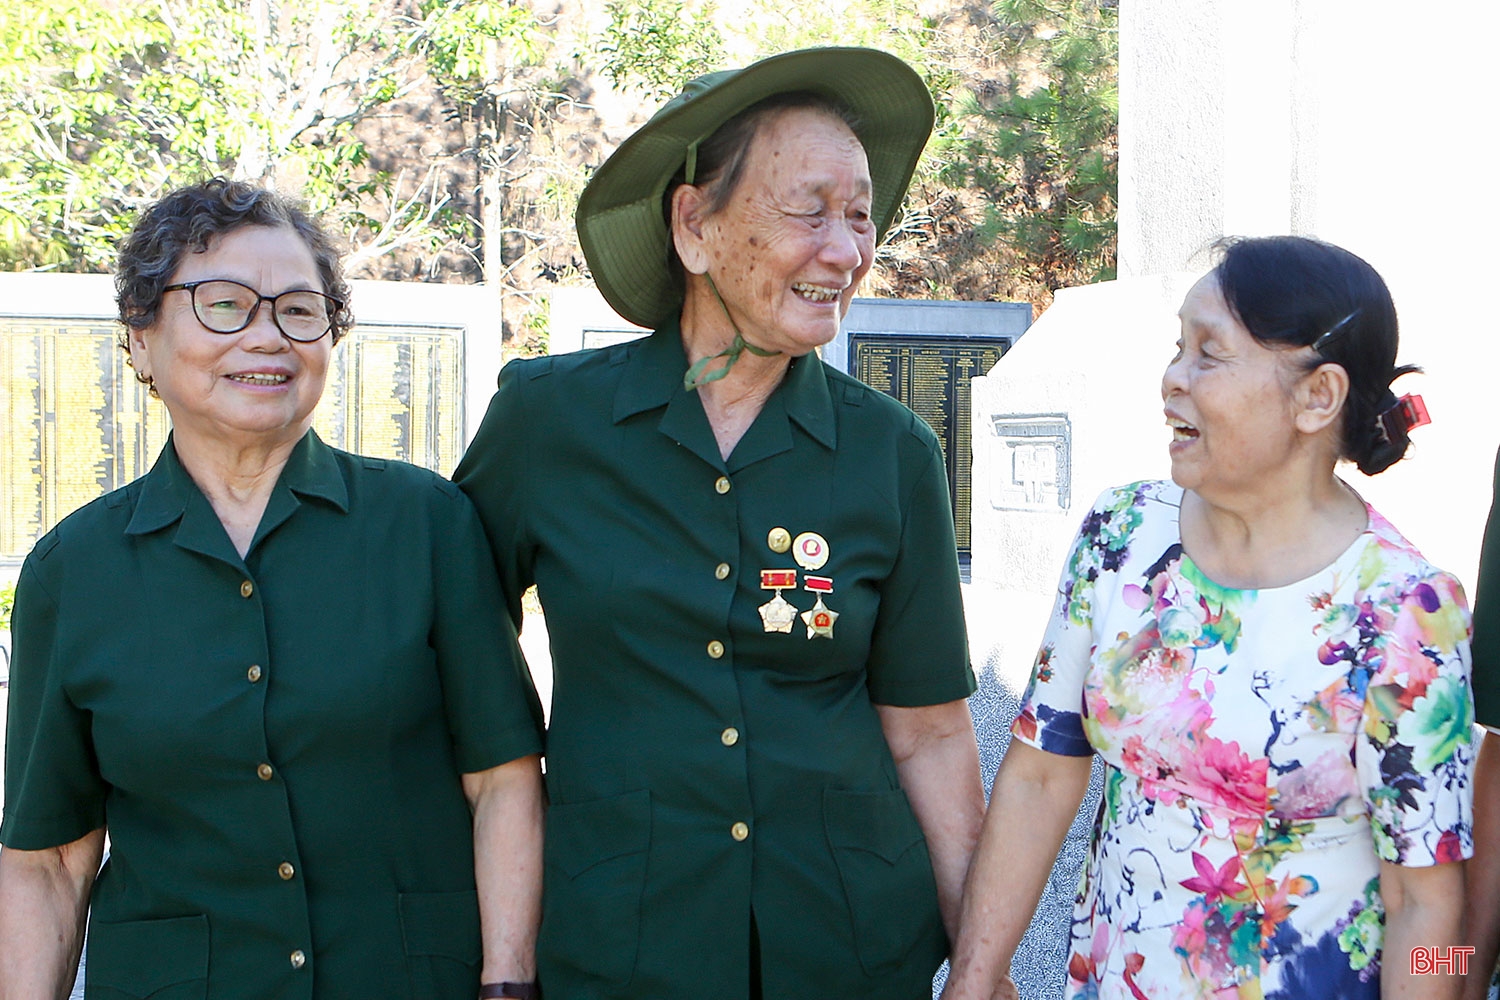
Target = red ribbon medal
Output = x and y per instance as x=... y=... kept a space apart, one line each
x=776 y=615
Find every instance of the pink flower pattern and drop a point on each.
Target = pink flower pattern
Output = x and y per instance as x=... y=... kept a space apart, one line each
x=1260 y=752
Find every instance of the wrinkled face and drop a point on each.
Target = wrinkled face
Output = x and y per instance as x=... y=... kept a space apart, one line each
x=250 y=387
x=1229 y=400
x=790 y=248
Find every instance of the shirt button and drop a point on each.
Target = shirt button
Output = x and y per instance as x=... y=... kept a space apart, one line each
x=298 y=959
x=247 y=588
x=264 y=772
x=253 y=674
x=739 y=831
x=285 y=870
x=721 y=571
x=721 y=486
x=729 y=737
x=716 y=649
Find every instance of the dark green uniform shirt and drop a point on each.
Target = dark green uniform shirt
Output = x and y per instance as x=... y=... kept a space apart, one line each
x=274 y=743
x=1487 y=619
x=700 y=767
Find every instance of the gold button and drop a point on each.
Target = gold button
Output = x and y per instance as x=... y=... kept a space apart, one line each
x=285 y=870
x=247 y=588
x=739 y=831
x=253 y=674
x=298 y=959
x=721 y=485
x=721 y=571
x=729 y=737
x=716 y=649
x=779 y=539
x=263 y=772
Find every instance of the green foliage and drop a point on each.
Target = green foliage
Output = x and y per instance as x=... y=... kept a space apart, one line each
x=1041 y=142
x=104 y=107
x=462 y=41
x=7 y=603
x=655 y=46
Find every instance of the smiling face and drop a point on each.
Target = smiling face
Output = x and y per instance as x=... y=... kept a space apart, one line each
x=790 y=248
x=254 y=387
x=1231 y=403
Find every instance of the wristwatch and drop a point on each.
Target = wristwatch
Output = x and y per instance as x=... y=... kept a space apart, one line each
x=516 y=991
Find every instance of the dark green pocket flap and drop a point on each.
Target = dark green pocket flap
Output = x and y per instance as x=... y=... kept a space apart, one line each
x=141 y=957
x=442 y=923
x=581 y=835
x=878 y=822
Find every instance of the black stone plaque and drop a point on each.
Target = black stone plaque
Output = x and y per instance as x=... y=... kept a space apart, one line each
x=931 y=375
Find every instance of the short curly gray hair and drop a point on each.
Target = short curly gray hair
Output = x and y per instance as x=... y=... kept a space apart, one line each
x=186 y=219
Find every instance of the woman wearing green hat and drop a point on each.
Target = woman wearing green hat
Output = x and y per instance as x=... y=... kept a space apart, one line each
x=762 y=770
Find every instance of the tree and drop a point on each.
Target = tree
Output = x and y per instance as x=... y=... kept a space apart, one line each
x=1040 y=141
x=103 y=107
x=494 y=62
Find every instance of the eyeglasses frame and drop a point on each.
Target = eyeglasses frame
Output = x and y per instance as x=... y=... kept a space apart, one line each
x=191 y=287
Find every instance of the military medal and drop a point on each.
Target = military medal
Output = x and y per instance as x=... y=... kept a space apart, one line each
x=777 y=615
x=779 y=540
x=810 y=549
x=820 y=619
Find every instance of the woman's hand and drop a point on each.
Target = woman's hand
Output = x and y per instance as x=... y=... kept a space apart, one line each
x=44 y=903
x=508 y=817
x=1035 y=798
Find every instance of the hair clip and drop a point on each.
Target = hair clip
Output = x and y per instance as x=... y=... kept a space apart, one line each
x=1403 y=415
x=1331 y=332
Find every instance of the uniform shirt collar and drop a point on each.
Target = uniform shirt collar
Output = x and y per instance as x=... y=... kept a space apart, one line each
x=653 y=378
x=167 y=490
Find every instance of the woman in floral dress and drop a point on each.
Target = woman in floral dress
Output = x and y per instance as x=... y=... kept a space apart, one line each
x=1276 y=680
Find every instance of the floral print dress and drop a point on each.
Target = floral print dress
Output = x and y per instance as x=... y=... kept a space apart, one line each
x=1265 y=750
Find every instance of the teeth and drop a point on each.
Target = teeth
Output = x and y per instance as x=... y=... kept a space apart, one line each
x=1181 y=429
x=257 y=378
x=816 y=293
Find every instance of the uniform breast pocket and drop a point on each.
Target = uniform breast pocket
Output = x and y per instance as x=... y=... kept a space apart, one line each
x=159 y=959
x=595 y=876
x=443 y=951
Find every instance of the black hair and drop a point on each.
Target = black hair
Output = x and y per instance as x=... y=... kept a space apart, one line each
x=1292 y=291
x=722 y=156
x=185 y=220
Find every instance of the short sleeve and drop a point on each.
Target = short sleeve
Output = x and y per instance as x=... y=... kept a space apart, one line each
x=53 y=790
x=492 y=707
x=919 y=648
x=1415 y=749
x=1487 y=618
x=1051 y=716
x=493 y=472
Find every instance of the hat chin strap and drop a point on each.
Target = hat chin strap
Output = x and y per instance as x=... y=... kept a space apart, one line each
x=698 y=375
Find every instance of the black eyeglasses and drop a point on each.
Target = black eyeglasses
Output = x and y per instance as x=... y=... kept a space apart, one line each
x=225 y=306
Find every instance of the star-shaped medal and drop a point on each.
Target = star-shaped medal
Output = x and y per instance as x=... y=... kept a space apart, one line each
x=819 y=620
x=777 y=615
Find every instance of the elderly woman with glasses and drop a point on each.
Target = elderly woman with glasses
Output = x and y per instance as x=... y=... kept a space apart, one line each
x=262 y=670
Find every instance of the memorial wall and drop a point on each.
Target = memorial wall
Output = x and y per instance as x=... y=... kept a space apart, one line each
x=75 y=423
x=931 y=375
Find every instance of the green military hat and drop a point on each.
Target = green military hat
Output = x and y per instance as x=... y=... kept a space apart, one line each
x=620 y=222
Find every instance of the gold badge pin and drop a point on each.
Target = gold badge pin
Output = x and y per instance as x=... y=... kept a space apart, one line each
x=779 y=540
x=810 y=549
x=777 y=614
